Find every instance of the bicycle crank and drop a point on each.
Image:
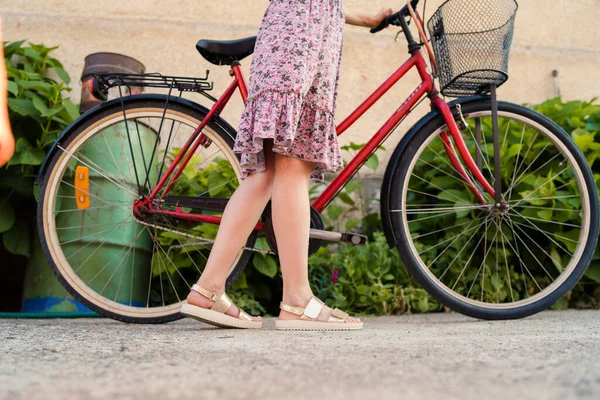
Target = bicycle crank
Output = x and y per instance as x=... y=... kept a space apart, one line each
x=345 y=237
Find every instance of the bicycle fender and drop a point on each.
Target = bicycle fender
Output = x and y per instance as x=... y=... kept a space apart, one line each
x=127 y=99
x=395 y=158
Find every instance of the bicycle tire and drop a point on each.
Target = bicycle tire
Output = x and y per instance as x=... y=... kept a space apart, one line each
x=424 y=274
x=112 y=111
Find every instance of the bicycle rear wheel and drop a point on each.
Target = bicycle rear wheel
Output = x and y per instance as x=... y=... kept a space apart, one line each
x=487 y=261
x=124 y=267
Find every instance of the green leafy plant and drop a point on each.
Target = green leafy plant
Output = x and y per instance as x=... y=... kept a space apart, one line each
x=581 y=120
x=349 y=211
x=38 y=113
x=369 y=279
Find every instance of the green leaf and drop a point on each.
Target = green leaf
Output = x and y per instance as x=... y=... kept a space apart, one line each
x=26 y=154
x=352 y=186
x=71 y=109
x=63 y=74
x=23 y=107
x=16 y=240
x=33 y=54
x=352 y=223
x=216 y=184
x=265 y=264
x=334 y=211
x=11 y=48
x=346 y=199
x=12 y=87
x=453 y=196
x=583 y=139
x=593 y=126
x=42 y=88
x=556 y=259
x=40 y=105
x=593 y=271
x=545 y=214
x=241 y=282
x=372 y=162
x=7 y=215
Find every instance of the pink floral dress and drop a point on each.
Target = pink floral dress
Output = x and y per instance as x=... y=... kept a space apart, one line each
x=293 y=86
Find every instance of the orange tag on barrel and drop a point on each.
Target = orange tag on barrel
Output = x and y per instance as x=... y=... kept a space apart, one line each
x=82 y=187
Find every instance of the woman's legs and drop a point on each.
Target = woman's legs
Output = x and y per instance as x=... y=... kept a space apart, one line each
x=241 y=214
x=286 y=180
x=291 y=223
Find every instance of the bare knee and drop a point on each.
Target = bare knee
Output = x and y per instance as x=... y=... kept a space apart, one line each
x=264 y=180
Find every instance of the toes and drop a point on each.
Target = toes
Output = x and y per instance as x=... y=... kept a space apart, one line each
x=352 y=320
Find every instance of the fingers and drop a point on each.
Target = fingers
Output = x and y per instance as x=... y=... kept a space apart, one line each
x=386 y=11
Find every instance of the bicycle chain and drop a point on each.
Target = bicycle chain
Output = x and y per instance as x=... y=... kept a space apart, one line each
x=197 y=237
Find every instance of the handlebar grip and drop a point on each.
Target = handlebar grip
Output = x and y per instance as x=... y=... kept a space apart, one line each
x=394 y=16
x=384 y=24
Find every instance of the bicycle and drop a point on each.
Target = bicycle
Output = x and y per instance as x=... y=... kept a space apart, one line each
x=491 y=205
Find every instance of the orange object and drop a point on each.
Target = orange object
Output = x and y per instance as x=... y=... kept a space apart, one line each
x=82 y=187
x=7 y=141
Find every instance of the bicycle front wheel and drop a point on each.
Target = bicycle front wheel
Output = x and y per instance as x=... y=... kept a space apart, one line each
x=125 y=267
x=485 y=260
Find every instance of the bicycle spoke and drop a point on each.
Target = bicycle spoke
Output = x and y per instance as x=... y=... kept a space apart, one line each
x=533 y=255
x=447 y=240
x=439 y=230
x=469 y=173
x=523 y=265
x=470 y=258
x=98 y=247
x=486 y=159
x=519 y=179
x=461 y=250
x=514 y=174
x=99 y=173
x=543 y=232
x=541 y=186
x=119 y=266
x=460 y=201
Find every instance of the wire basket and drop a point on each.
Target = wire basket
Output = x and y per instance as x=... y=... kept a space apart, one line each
x=471 y=40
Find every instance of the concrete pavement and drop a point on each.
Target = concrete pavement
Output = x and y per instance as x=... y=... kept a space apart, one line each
x=552 y=355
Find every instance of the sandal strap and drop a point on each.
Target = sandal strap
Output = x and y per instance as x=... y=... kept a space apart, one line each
x=291 y=309
x=311 y=311
x=338 y=315
x=206 y=293
x=222 y=303
x=244 y=316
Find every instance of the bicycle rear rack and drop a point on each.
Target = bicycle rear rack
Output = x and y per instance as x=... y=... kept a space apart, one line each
x=105 y=81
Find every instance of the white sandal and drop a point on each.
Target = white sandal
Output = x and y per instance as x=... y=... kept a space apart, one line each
x=216 y=314
x=308 y=318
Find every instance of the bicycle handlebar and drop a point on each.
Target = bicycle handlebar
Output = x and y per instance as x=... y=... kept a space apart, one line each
x=393 y=19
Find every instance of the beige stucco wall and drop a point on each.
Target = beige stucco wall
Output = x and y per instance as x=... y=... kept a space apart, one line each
x=562 y=35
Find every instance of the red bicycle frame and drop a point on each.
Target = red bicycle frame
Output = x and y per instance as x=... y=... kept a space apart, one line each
x=425 y=88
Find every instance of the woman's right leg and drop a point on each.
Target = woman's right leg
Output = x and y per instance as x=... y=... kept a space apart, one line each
x=291 y=223
x=241 y=214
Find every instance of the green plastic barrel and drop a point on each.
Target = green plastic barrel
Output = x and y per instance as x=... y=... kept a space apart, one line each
x=115 y=263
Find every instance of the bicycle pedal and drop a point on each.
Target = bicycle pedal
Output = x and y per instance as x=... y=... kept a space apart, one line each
x=345 y=237
x=354 y=238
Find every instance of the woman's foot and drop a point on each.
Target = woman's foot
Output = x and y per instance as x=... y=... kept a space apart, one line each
x=199 y=300
x=302 y=302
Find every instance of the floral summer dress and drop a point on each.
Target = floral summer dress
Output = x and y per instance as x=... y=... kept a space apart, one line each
x=293 y=86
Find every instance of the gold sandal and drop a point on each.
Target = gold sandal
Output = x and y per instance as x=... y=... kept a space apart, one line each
x=216 y=314
x=308 y=318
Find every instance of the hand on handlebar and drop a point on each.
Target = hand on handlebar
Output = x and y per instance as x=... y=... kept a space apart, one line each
x=393 y=18
x=367 y=20
x=379 y=17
